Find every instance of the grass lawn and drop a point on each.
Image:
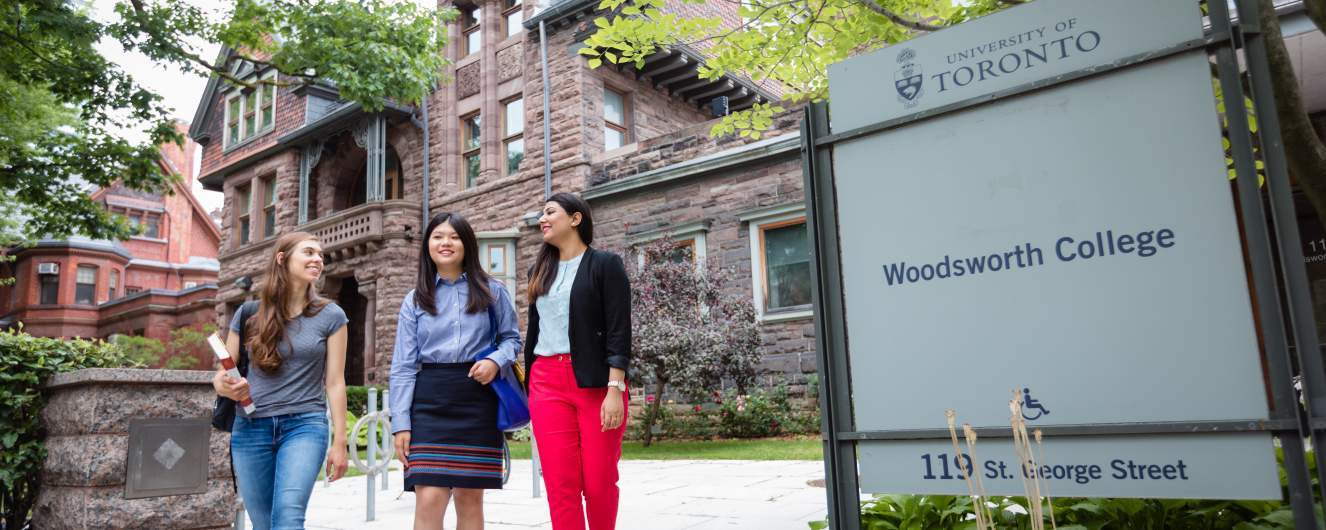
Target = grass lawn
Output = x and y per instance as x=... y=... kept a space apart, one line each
x=799 y=448
x=802 y=448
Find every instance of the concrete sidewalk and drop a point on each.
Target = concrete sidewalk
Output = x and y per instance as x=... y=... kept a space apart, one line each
x=656 y=495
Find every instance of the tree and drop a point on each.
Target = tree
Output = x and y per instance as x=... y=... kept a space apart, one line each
x=792 y=42
x=65 y=105
x=689 y=332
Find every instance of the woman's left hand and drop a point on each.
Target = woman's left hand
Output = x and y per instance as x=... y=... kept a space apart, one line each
x=484 y=371
x=610 y=417
x=337 y=461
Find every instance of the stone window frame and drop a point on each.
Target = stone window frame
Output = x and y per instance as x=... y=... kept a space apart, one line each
x=132 y=290
x=513 y=8
x=509 y=137
x=269 y=189
x=691 y=234
x=264 y=98
x=55 y=285
x=113 y=284
x=505 y=240
x=466 y=152
x=79 y=284
x=473 y=14
x=758 y=222
x=625 y=128
x=243 y=222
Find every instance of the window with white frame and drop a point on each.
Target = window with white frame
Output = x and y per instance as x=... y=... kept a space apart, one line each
x=112 y=292
x=497 y=253
x=85 y=286
x=251 y=111
x=780 y=263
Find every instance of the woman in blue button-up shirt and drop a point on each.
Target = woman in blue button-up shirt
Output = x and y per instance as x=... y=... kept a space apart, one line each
x=444 y=415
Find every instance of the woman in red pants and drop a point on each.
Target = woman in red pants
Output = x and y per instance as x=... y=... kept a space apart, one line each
x=577 y=350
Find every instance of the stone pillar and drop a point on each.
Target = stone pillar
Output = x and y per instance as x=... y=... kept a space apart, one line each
x=87 y=420
x=369 y=289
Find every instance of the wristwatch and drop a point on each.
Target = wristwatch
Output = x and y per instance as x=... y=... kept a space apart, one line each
x=619 y=385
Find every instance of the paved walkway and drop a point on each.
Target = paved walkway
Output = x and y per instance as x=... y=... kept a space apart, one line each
x=656 y=495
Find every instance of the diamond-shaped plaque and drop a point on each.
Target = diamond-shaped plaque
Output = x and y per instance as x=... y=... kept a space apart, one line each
x=169 y=453
x=167 y=457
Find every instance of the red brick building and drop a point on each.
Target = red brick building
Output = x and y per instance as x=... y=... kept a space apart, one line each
x=150 y=284
x=300 y=159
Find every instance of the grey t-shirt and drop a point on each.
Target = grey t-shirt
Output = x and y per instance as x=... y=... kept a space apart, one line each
x=297 y=386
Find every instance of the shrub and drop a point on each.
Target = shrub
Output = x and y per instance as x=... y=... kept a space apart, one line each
x=144 y=351
x=689 y=332
x=25 y=363
x=188 y=347
x=356 y=399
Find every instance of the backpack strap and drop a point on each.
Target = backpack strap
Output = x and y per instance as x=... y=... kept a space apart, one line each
x=246 y=311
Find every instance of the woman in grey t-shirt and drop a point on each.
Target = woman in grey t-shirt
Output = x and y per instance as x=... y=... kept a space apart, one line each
x=296 y=343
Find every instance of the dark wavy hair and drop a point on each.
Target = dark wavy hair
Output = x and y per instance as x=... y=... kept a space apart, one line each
x=544 y=271
x=480 y=296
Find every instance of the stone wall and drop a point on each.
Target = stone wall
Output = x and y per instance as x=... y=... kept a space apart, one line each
x=766 y=176
x=87 y=424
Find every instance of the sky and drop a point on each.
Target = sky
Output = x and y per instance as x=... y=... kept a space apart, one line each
x=181 y=90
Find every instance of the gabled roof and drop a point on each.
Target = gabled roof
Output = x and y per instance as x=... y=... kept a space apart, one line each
x=199 y=213
x=198 y=127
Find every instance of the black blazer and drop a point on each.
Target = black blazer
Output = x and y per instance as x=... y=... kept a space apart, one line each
x=600 y=327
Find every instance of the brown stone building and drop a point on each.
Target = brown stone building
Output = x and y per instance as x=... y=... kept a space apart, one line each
x=634 y=143
x=150 y=284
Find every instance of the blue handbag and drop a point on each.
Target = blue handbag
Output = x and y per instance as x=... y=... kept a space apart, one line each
x=512 y=403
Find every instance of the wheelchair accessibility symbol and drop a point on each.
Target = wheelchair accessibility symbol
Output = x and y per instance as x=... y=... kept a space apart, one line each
x=1029 y=404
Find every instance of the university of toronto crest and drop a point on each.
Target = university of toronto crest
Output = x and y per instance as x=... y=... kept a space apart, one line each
x=907 y=79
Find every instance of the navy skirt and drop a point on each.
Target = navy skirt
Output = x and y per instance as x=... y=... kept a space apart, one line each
x=454 y=439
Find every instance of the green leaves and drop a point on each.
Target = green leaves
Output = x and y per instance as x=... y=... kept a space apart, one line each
x=788 y=44
x=26 y=361
x=65 y=105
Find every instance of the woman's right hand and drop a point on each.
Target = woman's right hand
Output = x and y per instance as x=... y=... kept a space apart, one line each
x=229 y=387
x=403 y=447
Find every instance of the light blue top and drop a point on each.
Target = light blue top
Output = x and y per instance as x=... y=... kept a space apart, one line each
x=555 y=311
x=450 y=336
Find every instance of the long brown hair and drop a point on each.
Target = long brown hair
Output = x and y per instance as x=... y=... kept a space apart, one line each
x=544 y=271
x=271 y=319
x=480 y=296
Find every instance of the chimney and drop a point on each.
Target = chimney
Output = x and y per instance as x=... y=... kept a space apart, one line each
x=181 y=158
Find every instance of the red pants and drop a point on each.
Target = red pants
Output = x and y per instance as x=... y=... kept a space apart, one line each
x=579 y=459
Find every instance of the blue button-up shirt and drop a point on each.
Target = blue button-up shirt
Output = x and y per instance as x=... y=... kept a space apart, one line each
x=450 y=336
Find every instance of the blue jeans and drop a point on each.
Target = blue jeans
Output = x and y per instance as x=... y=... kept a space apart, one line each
x=277 y=460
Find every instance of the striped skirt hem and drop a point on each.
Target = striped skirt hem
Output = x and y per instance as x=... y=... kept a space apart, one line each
x=453 y=466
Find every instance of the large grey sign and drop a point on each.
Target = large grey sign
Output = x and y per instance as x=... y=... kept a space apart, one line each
x=1076 y=245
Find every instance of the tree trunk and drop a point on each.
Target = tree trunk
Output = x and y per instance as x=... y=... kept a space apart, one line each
x=651 y=416
x=1317 y=12
x=1304 y=150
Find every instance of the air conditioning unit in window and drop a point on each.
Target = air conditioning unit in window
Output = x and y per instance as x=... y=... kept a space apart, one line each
x=48 y=268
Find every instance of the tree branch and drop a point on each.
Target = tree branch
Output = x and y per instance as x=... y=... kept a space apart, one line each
x=219 y=70
x=896 y=18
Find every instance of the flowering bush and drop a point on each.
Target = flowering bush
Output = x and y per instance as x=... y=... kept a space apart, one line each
x=689 y=333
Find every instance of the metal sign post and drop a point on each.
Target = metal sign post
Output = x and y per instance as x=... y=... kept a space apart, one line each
x=1115 y=105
